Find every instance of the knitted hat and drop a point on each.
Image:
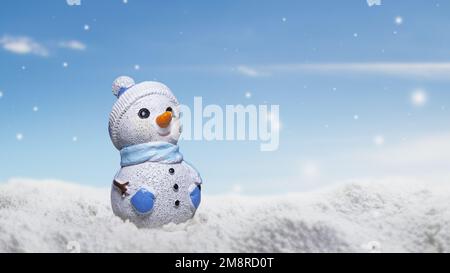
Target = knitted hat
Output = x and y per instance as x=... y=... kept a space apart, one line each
x=128 y=92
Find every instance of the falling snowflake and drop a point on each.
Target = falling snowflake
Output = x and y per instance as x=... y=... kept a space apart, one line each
x=87 y=27
x=19 y=136
x=137 y=67
x=23 y=67
x=378 y=140
x=355 y=117
x=284 y=19
x=35 y=108
x=65 y=64
x=248 y=95
x=125 y=1
x=1 y=94
x=419 y=98
x=398 y=20
x=355 y=35
x=74 y=139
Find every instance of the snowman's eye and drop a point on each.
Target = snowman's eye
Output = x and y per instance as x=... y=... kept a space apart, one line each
x=169 y=109
x=144 y=113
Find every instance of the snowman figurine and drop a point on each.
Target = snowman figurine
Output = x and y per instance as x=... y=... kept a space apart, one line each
x=154 y=186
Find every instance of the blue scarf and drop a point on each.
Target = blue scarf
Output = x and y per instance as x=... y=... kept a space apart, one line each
x=162 y=152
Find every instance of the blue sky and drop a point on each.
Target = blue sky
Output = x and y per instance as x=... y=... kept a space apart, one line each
x=342 y=72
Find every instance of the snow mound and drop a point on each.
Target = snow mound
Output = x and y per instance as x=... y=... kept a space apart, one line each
x=372 y=216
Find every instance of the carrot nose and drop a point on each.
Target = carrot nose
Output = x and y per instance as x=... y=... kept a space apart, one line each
x=164 y=119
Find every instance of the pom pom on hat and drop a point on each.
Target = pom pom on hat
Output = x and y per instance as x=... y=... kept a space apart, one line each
x=121 y=84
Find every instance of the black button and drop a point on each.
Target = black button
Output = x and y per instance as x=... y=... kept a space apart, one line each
x=177 y=203
x=199 y=187
x=175 y=187
x=171 y=171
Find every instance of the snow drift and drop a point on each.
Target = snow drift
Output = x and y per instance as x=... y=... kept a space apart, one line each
x=371 y=216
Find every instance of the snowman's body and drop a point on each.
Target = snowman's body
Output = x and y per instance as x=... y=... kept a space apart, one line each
x=174 y=187
x=154 y=186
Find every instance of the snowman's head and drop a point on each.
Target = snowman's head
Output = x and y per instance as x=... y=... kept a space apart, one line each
x=144 y=112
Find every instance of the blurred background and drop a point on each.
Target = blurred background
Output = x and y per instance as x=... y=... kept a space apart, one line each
x=363 y=86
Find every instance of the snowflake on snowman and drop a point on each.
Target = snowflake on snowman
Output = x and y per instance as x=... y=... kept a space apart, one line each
x=155 y=185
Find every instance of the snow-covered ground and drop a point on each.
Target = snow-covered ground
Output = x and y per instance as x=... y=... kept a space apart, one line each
x=390 y=215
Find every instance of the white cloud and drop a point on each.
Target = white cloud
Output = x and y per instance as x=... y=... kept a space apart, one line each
x=73 y=2
x=425 y=157
x=73 y=44
x=433 y=150
x=249 y=72
x=373 y=3
x=22 y=45
x=427 y=70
